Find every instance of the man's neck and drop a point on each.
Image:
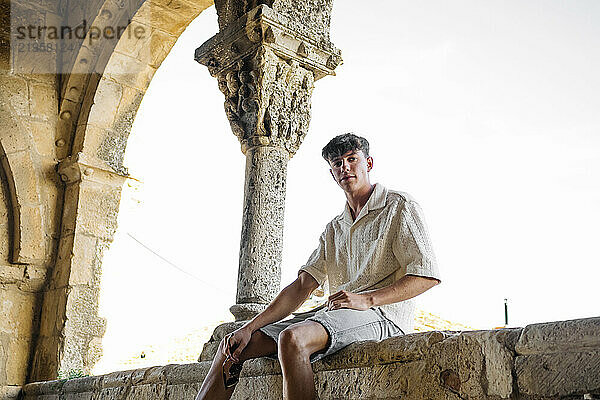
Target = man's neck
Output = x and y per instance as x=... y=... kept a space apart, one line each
x=358 y=199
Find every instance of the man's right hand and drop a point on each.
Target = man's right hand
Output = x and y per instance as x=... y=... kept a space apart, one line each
x=236 y=342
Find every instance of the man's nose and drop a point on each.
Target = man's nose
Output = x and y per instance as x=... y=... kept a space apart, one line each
x=345 y=165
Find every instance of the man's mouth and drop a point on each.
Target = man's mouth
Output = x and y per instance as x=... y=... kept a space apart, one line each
x=346 y=178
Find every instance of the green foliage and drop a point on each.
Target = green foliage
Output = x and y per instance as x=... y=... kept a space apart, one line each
x=71 y=374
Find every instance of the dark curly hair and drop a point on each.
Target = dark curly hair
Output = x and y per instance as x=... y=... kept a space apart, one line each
x=341 y=144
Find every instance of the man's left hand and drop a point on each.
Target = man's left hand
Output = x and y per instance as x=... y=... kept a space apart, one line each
x=344 y=299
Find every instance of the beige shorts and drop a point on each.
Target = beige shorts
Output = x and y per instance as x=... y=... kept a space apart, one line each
x=344 y=326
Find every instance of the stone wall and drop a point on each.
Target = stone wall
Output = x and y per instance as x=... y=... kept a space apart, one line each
x=64 y=126
x=559 y=360
x=30 y=196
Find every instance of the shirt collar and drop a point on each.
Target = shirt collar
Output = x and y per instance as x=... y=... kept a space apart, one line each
x=376 y=201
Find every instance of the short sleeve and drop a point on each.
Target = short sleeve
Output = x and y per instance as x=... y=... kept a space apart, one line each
x=316 y=264
x=412 y=246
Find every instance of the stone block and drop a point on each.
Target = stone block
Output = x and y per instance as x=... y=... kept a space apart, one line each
x=82 y=314
x=186 y=373
x=43 y=137
x=31 y=243
x=18 y=361
x=10 y=392
x=17 y=313
x=557 y=375
x=85 y=261
x=183 y=391
x=98 y=209
x=106 y=100
x=31 y=62
x=117 y=379
x=267 y=387
x=114 y=393
x=161 y=44
x=78 y=396
x=10 y=274
x=111 y=151
x=559 y=337
x=161 y=18
x=497 y=377
x=82 y=385
x=94 y=352
x=92 y=138
x=50 y=387
x=24 y=177
x=129 y=71
x=34 y=279
x=43 y=101
x=187 y=10
x=378 y=382
x=13 y=137
x=14 y=95
x=127 y=111
x=135 y=41
x=155 y=391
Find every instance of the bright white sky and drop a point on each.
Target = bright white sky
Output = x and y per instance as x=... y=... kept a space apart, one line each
x=486 y=112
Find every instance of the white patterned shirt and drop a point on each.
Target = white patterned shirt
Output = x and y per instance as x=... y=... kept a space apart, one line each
x=387 y=241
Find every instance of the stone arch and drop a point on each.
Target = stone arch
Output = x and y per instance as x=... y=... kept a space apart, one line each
x=100 y=98
x=28 y=239
x=103 y=92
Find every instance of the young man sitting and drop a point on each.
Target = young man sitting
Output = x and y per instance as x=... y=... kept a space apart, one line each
x=374 y=257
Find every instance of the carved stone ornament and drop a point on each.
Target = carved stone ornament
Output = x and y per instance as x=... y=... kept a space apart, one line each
x=266 y=69
x=267 y=101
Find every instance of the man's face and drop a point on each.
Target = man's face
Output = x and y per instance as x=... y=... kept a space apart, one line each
x=351 y=170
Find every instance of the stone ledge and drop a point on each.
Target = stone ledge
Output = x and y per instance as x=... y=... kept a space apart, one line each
x=561 y=336
x=10 y=392
x=431 y=365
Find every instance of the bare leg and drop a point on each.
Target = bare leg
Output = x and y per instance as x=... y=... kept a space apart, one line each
x=213 y=387
x=296 y=344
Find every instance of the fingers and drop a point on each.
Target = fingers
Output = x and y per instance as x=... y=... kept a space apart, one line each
x=233 y=347
x=236 y=354
x=226 y=349
x=339 y=304
x=337 y=295
x=337 y=300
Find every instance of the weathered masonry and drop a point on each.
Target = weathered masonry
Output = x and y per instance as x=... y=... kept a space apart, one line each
x=543 y=361
x=68 y=100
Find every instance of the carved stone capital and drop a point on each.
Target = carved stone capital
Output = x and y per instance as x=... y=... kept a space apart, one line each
x=266 y=70
x=263 y=26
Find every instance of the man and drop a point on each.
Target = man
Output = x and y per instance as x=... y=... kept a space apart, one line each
x=374 y=257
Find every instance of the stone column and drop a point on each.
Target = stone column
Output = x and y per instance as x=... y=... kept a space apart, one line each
x=266 y=59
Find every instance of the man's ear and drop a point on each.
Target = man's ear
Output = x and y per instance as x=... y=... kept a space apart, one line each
x=369 y=163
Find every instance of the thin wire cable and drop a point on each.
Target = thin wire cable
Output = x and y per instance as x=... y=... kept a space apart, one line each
x=220 y=290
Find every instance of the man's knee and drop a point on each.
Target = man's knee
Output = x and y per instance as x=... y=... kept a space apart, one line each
x=302 y=339
x=291 y=341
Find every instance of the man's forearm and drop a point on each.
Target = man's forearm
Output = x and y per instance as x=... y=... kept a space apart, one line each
x=286 y=302
x=405 y=288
